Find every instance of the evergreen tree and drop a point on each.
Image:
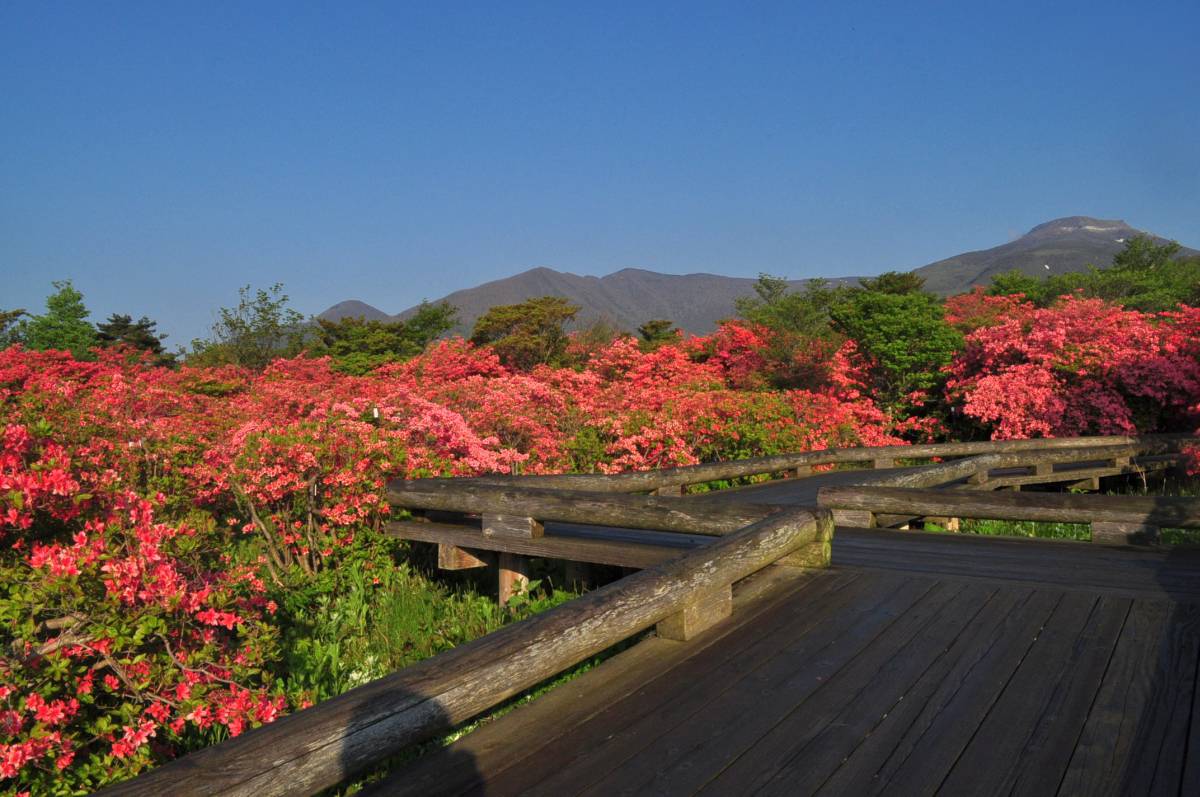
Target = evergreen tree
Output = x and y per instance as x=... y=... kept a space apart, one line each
x=11 y=327
x=64 y=326
x=529 y=333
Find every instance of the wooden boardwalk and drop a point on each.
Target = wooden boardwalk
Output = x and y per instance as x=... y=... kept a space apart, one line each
x=765 y=651
x=865 y=680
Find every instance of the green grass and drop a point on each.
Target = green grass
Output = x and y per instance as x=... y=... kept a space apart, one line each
x=1171 y=486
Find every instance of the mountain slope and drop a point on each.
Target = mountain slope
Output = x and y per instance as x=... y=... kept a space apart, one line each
x=696 y=302
x=1065 y=245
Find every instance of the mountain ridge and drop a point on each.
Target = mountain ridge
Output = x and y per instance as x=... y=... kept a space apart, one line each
x=695 y=302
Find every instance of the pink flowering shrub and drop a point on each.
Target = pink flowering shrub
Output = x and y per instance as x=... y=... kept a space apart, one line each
x=148 y=515
x=1079 y=367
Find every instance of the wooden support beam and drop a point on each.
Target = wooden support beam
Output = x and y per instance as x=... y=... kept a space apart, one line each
x=814 y=555
x=800 y=472
x=947 y=523
x=514 y=576
x=669 y=489
x=1124 y=533
x=856 y=518
x=704 y=611
x=978 y=477
x=880 y=463
x=1043 y=469
x=515 y=526
x=451 y=557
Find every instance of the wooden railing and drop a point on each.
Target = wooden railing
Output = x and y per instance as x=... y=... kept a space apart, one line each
x=800 y=464
x=1114 y=519
x=322 y=746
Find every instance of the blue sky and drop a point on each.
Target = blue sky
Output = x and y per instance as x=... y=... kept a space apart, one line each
x=163 y=154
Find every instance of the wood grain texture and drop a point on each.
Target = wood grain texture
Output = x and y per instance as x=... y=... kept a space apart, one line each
x=451 y=557
x=319 y=747
x=620 y=511
x=643 y=481
x=1164 y=511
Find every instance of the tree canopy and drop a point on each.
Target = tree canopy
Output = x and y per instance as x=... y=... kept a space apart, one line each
x=64 y=325
x=529 y=333
x=259 y=329
x=358 y=346
x=1145 y=275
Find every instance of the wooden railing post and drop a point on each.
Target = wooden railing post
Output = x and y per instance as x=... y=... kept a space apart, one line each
x=800 y=472
x=669 y=489
x=883 y=462
x=854 y=518
x=703 y=611
x=513 y=575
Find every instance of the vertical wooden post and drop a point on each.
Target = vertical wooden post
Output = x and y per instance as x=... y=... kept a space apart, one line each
x=978 y=477
x=1043 y=469
x=799 y=472
x=514 y=575
x=670 y=489
x=704 y=611
x=883 y=462
x=855 y=518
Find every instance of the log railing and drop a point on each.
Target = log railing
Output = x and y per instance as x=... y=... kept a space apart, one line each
x=518 y=517
x=799 y=464
x=322 y=746
x=1114 y=519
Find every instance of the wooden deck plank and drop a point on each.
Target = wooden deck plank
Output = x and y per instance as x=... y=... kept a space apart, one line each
x=1101 y=757
x=801 y=751
x=864 y=756
x=1078 y=628
x=929 y=747
x=1160 y=746
x=1191 y=767
x=806 y=608
x=1048 y=748
x=700 y=753
x=534 y=726
x=832 y=635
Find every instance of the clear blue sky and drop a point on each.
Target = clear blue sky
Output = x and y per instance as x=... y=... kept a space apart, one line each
x=162 y=154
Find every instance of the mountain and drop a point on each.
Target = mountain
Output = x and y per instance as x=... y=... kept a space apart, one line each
x=696 y=302
x=354 y=308
x=1065 y=245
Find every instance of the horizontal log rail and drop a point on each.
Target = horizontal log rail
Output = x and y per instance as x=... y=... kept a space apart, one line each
x=977 y=469
x=1115 y=519
x=319 y=747
x=572 y=506
x=800 y=463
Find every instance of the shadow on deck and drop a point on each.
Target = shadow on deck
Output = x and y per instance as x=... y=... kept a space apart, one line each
x=921 y=673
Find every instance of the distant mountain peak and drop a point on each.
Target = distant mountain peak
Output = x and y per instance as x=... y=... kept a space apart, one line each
x=353 y=308
x=696 y=302
x=1071 y=225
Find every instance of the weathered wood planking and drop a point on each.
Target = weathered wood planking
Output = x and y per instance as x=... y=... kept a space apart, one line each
x=878 y=686
x=321 y=746
x=619 y=511
x=1163 y=511
x=644 y=481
